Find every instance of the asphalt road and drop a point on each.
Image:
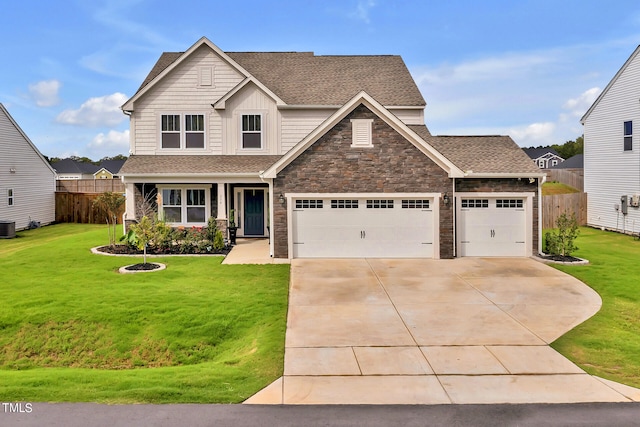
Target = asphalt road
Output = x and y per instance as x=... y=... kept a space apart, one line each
x=89 y=414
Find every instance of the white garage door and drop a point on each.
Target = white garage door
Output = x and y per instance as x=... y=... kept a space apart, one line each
x=361 y=227
x=492 y=227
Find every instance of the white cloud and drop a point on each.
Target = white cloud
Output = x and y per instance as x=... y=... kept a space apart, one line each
x=45 y=93
x=96 y=112
x=578 y=106
x=111 y=142
x=362 y=10
x=534 y=134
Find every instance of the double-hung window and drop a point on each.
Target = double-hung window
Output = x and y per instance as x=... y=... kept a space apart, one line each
x=182 y=131
x=186 y=205
x=628 y=136
x=251 y=131
x=10 y=197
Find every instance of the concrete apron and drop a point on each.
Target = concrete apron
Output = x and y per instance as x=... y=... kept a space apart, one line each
x=463 y=331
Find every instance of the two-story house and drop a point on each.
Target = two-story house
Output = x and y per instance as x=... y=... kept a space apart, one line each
x=544 y=158
x=27 y=182
x=327 y=156
x=612 y=152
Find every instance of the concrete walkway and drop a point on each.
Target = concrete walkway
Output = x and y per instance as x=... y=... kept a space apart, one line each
x=252 y=251
x=471 y=330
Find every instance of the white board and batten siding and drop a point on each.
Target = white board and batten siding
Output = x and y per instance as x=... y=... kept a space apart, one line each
x=26 y=172
x=610 y=172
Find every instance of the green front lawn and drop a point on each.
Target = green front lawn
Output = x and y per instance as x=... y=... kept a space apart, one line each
x=73 y=329
x=608 y=344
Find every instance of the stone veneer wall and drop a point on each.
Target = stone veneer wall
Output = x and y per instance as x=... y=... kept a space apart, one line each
x=492 y=185
x=392 y=165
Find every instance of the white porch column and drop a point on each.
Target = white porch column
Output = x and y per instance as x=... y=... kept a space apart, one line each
x=130 y=201
x=222 y=202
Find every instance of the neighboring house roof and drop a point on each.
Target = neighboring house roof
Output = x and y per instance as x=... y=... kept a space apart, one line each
x=72 y=166
x=489 y=155
x=611 y=83
x=197 y=164
x=302 y=78
x=575 y=162
x=24 y=135
x=112 y=166
x=536 y=153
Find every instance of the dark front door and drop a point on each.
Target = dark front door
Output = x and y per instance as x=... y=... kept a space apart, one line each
x=254 y=212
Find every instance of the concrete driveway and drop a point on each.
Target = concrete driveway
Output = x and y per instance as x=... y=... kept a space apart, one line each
x=470 y=330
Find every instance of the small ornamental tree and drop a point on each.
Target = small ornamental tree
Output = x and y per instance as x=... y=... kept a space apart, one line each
x=109 y=204
x=561 y=241
x=144 y=231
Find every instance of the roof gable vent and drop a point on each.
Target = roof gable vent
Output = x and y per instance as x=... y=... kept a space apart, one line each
x=361 y=133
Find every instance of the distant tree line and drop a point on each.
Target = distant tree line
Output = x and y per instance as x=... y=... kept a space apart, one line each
x=569 y=148
x=86 y=159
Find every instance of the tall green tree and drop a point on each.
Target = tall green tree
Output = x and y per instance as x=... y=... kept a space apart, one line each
x=570 y=148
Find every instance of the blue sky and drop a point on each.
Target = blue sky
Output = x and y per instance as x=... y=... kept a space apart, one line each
x=528 y=69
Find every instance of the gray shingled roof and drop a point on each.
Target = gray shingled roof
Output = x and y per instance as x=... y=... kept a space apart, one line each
x=302 y=78
x=196 y=164
x=481 y=154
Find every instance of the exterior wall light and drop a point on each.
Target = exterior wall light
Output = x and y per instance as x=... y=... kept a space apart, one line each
x=281 y=199
x=12 y=170
x=445 y=199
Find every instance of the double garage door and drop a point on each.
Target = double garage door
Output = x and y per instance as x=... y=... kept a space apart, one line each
x=344 y=227
x=492 y=226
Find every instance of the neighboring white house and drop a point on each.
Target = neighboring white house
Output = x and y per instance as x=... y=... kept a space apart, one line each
x=612 y=152
x=27 y=182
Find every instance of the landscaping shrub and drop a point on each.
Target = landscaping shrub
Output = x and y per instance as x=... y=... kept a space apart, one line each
x=561 y=241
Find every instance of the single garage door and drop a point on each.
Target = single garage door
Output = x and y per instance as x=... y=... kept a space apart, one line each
x=492 y=227
x=362 y=227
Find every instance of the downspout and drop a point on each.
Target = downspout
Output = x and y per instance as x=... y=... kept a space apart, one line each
x=271 y=229
x=540 y=182
x=455 y=219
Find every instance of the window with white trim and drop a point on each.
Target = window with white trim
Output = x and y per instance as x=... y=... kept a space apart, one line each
x=344 y=204
x=252 y=131
x=628 y=136
x=415 y=204
x=309 y=204
x=10 y=199
x=182 y=131
x=474 y=203
x=380 y=204
x=509 y=203
x=185 y=205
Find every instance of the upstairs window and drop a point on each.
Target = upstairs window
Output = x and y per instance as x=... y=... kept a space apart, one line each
x=194 y=130
x=170 y=131
x=251 y=131
x=628 y=136
x=182 y=131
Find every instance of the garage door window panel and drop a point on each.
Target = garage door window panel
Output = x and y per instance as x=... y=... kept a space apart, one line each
x=344 y=204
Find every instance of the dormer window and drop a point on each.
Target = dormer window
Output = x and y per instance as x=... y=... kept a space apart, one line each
x=182 y=131
x=251 y=131
x=361 y=133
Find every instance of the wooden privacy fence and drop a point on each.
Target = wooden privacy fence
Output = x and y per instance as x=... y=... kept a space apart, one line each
x=78 y=208
x=89 y=185
x=571 y=177
x=556 y=205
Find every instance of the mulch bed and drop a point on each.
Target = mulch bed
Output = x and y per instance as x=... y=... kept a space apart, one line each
x=128 y=250
x=143 y=267
x=561 y=258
